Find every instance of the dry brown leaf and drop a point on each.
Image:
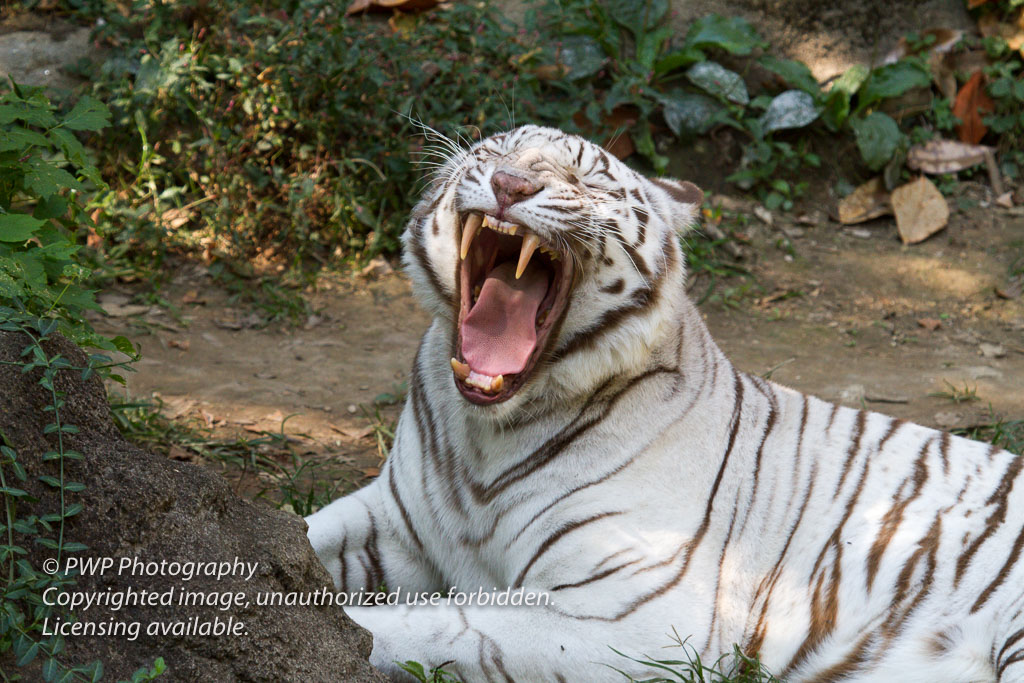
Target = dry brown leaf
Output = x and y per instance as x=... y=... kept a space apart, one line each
x=970 y=105
x=920 y=210
x=371 y=471
x=930 y=324
x=192 y=297
x=1005 y=200
x=353 y=433
x=945 y=156
x=1013 y=288
x=868 y=201
x=971 y=4
x=178 y=453
x=172 y=219
x=115 y=310
x=183 y=344
x=385 y=5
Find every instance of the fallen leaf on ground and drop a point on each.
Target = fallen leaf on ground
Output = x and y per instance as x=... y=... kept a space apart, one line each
x=172 y=219
x=174 y=408
x=920 y=210
x=385 y=5
x=945 y=156
x=182 y=344
x=1005 y=200
x=930 y=324
x=1013 y=288
x=123 y=310
x=371 y=471
x=378 y=267
x=351 y=432
x=868 y=201
x=992 y=350
x=180 y=454
x=971 y=104
x=192 y=297
x=764 y=214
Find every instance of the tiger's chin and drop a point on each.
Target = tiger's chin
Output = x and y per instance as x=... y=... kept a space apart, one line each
x=514 y=291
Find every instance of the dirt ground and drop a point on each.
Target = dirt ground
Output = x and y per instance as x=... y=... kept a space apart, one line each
x=848 y=314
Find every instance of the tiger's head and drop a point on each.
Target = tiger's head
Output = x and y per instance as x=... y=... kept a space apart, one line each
x=552 y=264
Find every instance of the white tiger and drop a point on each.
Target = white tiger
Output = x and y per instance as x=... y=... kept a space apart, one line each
x=572 y=429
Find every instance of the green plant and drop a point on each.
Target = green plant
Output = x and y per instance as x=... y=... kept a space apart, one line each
x=1008 y=434
x=423 y=675
x=47 y=184
x=283 y=134
x=956 y=394
x=1006 y=87
x=24 y=612
x=733 y=667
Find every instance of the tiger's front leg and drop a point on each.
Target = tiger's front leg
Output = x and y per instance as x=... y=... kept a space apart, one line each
x=358 y=541
x=536 y=644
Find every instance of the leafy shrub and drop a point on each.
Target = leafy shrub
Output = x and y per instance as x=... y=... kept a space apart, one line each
x=45 y=176
x=284 y=131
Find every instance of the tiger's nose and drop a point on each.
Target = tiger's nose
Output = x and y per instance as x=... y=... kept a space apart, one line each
x=509 y=189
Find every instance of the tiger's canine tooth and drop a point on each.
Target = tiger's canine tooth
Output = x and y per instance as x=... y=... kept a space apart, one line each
x=530 y=244
x=461 y=370
x=497 y=383
x=469 y=230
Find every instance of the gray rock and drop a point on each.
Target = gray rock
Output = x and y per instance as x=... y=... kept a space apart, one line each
x=139 y=505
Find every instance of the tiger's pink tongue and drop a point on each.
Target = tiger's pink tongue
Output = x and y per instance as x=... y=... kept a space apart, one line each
x=500 y=332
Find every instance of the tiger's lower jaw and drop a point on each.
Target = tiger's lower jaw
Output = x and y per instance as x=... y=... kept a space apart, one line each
x=514 y=291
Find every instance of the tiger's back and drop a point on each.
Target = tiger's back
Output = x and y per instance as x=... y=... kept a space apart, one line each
x=595 y=444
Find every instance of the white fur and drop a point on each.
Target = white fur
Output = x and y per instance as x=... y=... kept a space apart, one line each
x=715 y=536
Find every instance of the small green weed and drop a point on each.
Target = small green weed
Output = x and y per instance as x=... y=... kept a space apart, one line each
x=423 y=675
x=957 y=395
x=734 y=667
x=1008 y=434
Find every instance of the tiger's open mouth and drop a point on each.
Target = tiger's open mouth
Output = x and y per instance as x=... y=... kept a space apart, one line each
x=514 y=291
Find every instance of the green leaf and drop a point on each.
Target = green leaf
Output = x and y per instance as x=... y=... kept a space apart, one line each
x=877 y=138
x=678 y=59
x=54 y=206
x=124 y=345
x=29 y=655
x=583 y=55
x=892 y=80
x=719 y=81
x=50 y=669
x=732 y=34
x=638 y=17
x=649 y=45
x=32 y=113
x=851 y=80
x=45 y=179
x=791 y=109
x=688 y=113
x=69 y=144
x=21 y=139
x=793 y=72
x=88 y=114
x=18 y=227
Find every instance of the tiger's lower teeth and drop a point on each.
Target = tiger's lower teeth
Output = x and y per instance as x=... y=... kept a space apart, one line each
x=485 y=383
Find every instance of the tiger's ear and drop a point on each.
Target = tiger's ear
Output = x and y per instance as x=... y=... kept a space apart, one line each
x=685 y=193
